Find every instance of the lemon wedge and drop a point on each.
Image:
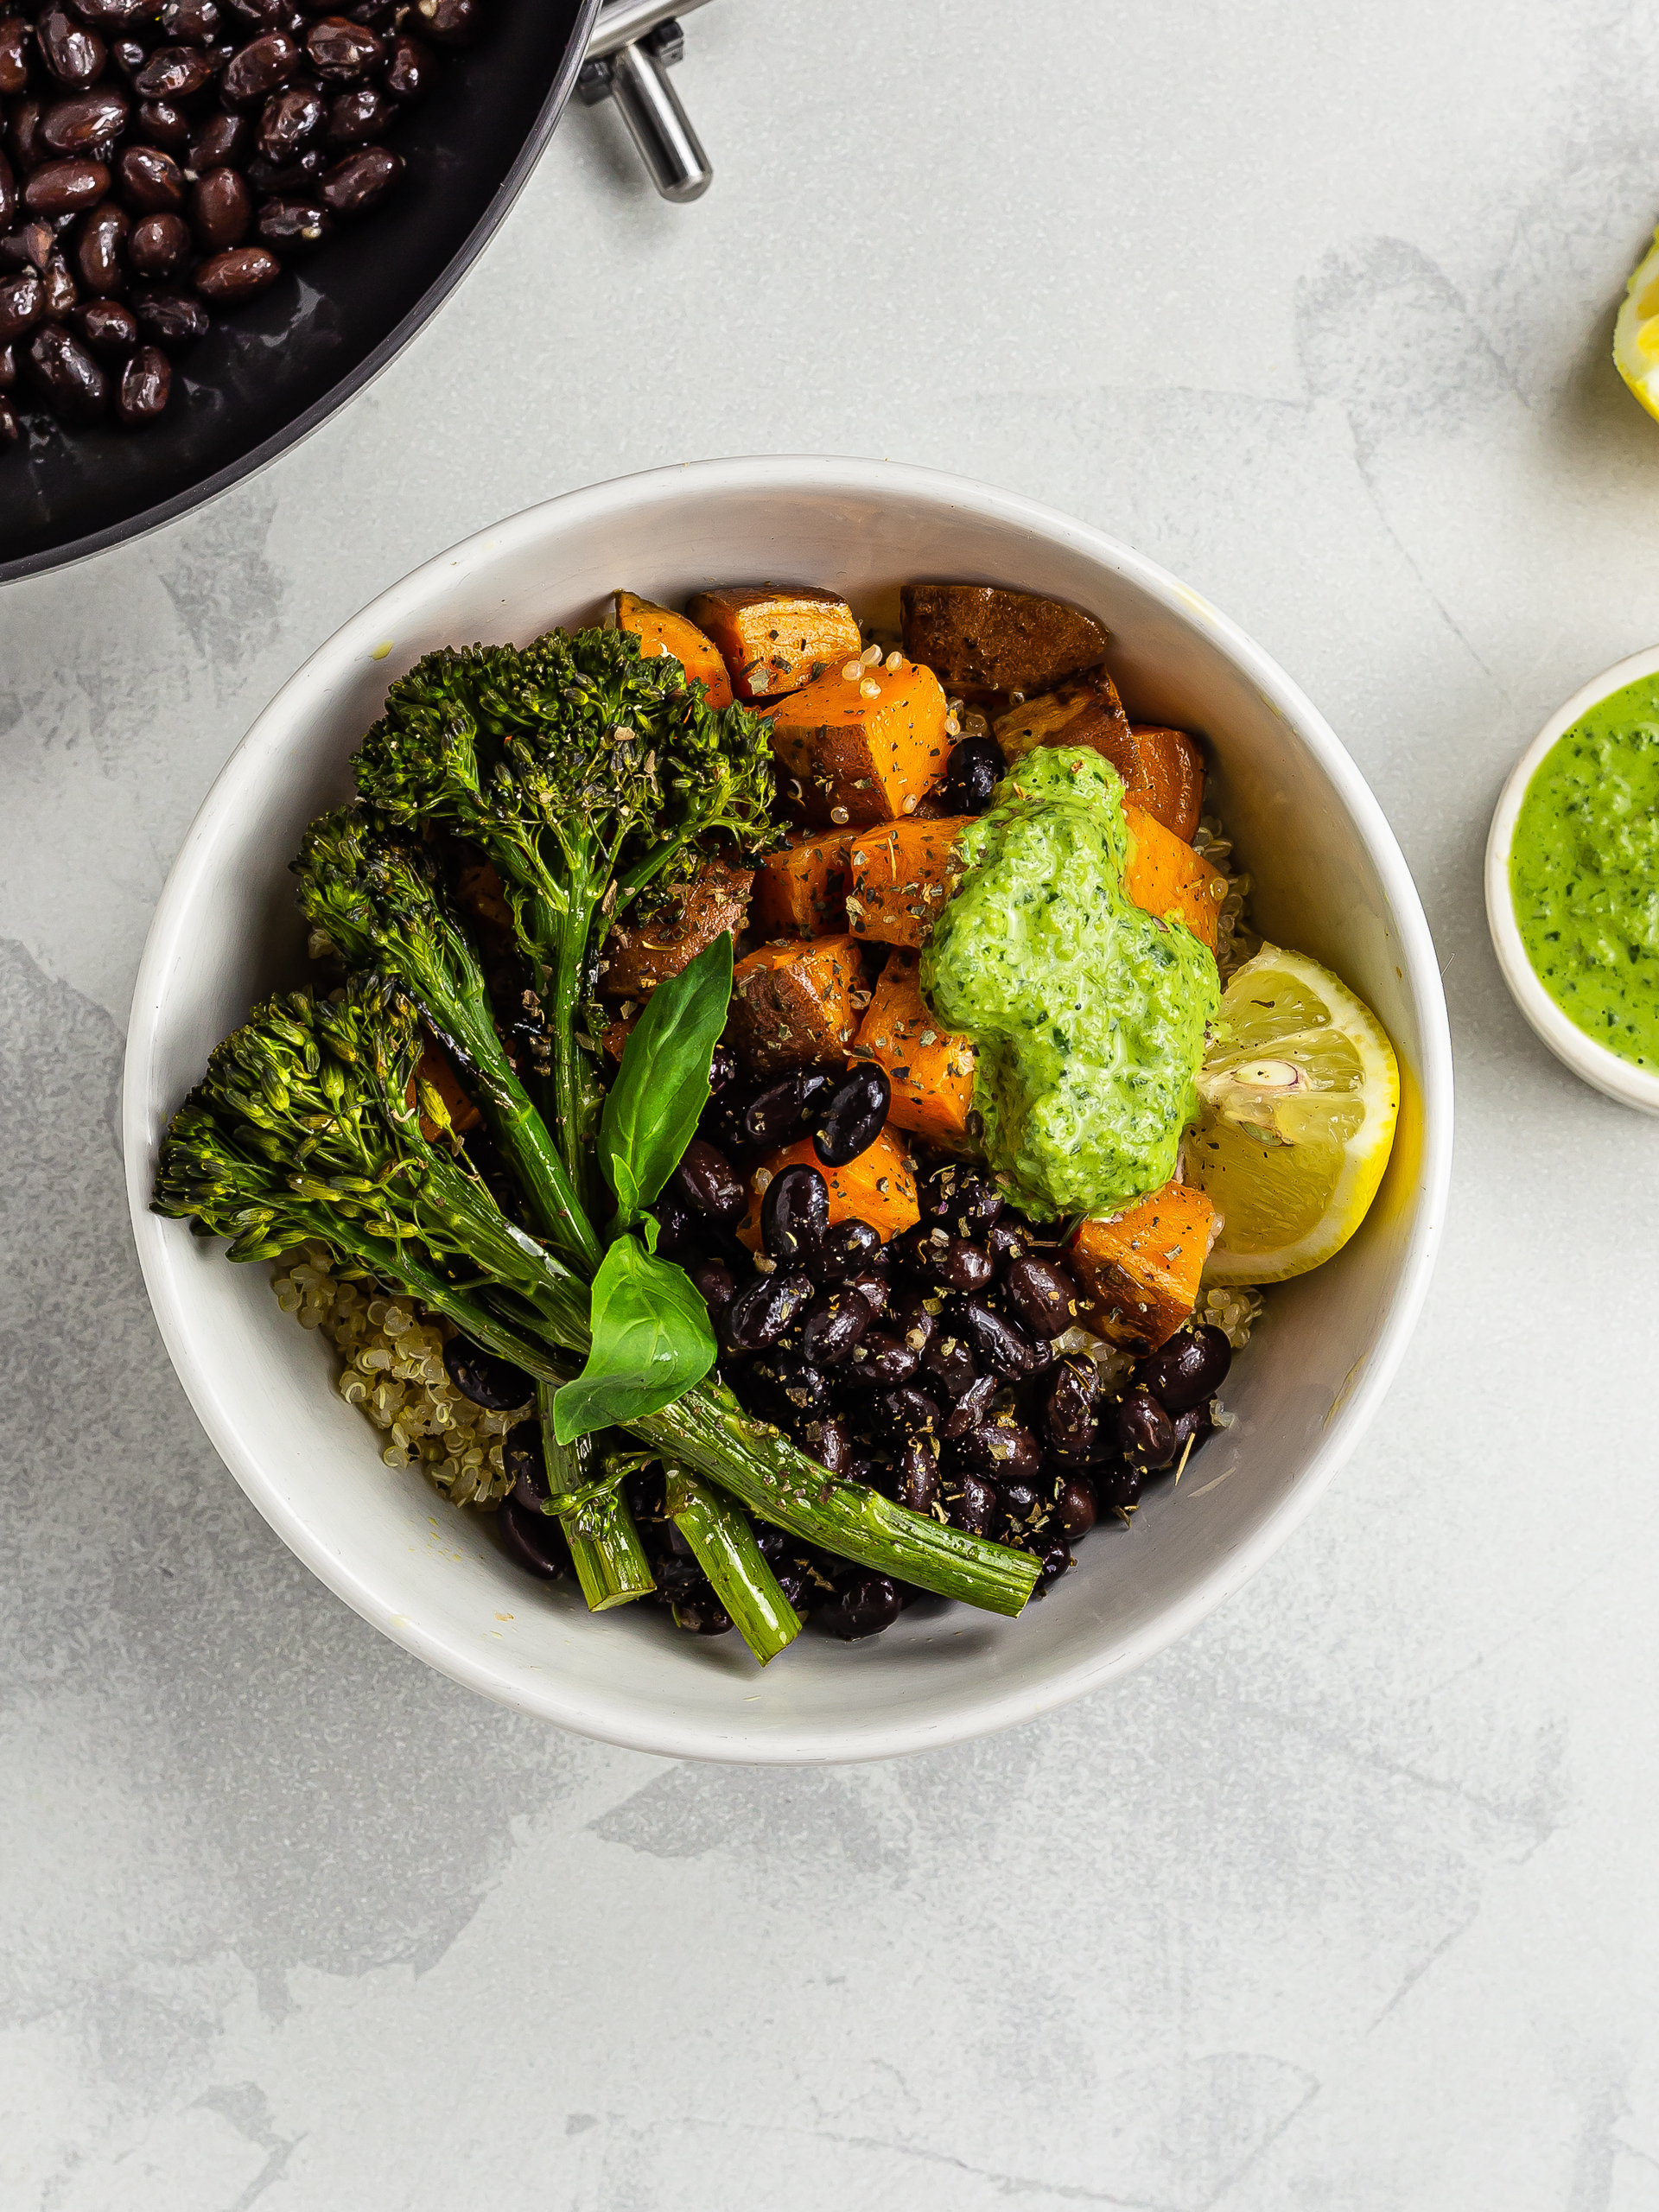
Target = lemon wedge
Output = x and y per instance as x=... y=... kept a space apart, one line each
x=1299 y=1095
x=1635 y=334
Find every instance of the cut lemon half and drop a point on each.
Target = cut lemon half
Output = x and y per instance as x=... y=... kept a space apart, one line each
x=1299 y=1095
x=1635 y=334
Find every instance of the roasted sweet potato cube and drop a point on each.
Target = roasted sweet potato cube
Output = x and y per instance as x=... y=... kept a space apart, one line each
x=774 y=638
x=802 y=891
x=930 y=1068
x=878 y=1186
x=660 y=630
x=1162 y=769
x=860 y=749
x=980 y=640
x=639 y=952
x=1139 y=1271
x=791 y=1005
x=1165 y=877
x=899 y=877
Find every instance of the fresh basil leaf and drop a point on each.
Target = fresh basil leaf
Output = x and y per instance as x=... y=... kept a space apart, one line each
x=652 y=1109
x=651 y=1342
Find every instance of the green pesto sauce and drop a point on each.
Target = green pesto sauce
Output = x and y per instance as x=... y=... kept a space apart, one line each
x=1088 y=1016
x=1584 y=873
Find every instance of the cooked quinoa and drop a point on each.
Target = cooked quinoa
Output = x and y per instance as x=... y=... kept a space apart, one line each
x=392 y=1369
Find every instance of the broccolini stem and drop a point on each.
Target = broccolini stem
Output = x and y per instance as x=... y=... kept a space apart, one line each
x=605 y=1548
x=558 y=950
x=724 y=1543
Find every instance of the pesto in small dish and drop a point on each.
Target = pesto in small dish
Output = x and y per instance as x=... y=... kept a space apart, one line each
x=1584 y=873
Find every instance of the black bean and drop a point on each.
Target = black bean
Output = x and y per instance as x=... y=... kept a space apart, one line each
x=14 y=55
x=66 y=187
x=676 y=1228
x=225 y=141
x=75 y=55
x=972 y=1504
x=151 y=183
x=999 y=1343
x=757 y=1317
x=702 y=1616
x=918 y=1488
x=1190 y=1368
x=1001 y=1447
x=228 y=279
x=159 y=247
x=1074 y=1508
x=829 y=1440
x=170 y=319
x=722 y=1069
x=976 y=766
x=716 y=1285
x=915 y=1315
x=836 y=1322
x=100 y=250
x=293 y=225
x=173 y=74
x=359 y=117
x=258 y=69
x=794 y=1390
x=908 y=1410
x=961 y=1198
x=845 y=1249
x=363 y=179
x=527 y=1462
x=707 y=1181
x=145 y=388
x=107 y=327
x=296 y=178
x=290 y=120
x=194 y=22
x=11 y=429
x=881 y=1360
x=408 y=68
x=863 y=1606
x=1017 y=1505
x=1070 y=1399
x=221 y=209
x=162 y=123
x=86 y=123
x=873 y=1288
x=1143 y=1431
x=1043 y=1296
x=779 y=1113
x=8 y=368
x=1006 y=1241
x=949 y=1365
x=60 y=293
x=1116 y=1487
x=66 y=375
x=534 y=1540
x=1195 y=1423
x=973 y=1409
x=794 y=1212
x=484 y=1377
x=451 y=22
x=1055 y=1553
x=8 y=195
x=343 y=51
x=852 y=1117
x=22 y=303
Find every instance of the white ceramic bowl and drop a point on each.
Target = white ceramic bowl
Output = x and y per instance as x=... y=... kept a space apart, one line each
x=1574 y=1047
x=1329 y=880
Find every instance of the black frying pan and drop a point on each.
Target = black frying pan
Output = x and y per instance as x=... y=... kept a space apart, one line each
x=266 y=374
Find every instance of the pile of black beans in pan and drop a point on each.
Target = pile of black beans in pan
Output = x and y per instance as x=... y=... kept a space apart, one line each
x=162 y=159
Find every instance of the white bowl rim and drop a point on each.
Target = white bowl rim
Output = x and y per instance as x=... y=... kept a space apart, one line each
x=666 y=1732
x=1574 y=1047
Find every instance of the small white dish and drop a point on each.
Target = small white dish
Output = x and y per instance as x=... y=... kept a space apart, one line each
x=1329 y=879
x=1574 y=1047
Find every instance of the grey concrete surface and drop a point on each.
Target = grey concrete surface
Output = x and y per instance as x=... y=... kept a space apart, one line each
x=1346 y=1902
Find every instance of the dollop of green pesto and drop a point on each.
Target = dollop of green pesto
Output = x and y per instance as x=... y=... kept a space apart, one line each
x=1584 y=873
x=1088 y=1015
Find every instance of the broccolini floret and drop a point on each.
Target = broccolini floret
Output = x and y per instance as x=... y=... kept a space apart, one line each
x=586 y=774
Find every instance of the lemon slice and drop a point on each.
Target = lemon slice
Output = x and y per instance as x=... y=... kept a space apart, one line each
x=1298 y=1098
x=1635 y=334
